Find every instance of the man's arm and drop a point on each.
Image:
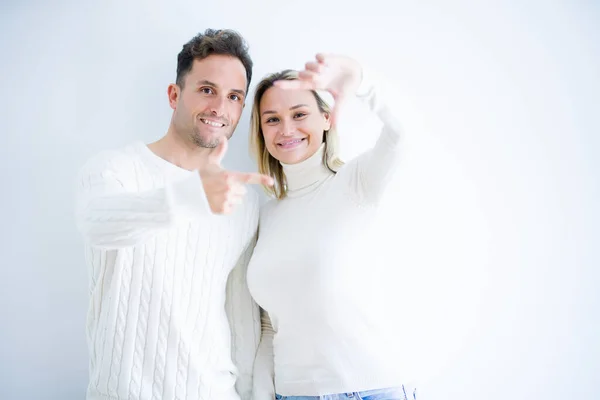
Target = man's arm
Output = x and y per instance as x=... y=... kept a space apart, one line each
x=110 y=215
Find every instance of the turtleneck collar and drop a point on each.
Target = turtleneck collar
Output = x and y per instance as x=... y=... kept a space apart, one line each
x=307 y=175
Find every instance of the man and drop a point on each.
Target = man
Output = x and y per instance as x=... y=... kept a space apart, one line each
x=168 y=233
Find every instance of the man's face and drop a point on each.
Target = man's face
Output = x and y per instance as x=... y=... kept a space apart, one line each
x=210 y=104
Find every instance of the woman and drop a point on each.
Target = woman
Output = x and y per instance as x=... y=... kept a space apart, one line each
x=324 y=331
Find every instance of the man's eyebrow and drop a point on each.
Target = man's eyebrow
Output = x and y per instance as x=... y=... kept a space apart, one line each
x=206 y=82
x=209 y=83
x=291 y=108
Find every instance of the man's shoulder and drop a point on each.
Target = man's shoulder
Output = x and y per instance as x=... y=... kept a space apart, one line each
x=115 y=159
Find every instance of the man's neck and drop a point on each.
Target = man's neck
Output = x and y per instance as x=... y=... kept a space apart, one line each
x=179 y=151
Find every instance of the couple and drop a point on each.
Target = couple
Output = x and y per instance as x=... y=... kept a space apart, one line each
x=188 y=300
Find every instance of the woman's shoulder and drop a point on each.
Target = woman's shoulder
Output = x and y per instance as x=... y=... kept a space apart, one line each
x=268 y=205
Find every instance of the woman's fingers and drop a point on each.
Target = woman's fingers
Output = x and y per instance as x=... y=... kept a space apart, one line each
x=313 y=67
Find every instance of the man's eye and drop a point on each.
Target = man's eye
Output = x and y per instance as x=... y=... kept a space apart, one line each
x=235 y=97
x=206 y=90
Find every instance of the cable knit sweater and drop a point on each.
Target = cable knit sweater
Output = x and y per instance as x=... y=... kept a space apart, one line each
x=324 y=329
x=168 y=295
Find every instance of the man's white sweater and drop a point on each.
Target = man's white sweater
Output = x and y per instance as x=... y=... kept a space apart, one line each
x=169 y=306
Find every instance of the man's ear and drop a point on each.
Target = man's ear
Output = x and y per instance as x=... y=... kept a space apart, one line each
x=173 y=91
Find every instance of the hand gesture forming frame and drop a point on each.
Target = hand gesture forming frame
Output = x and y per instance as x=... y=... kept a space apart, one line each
x=339 y=75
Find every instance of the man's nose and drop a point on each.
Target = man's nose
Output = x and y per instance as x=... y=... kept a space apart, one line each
x=217 y=106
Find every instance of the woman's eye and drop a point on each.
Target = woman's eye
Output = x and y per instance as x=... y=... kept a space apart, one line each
x=300 y=115
x=272 y=120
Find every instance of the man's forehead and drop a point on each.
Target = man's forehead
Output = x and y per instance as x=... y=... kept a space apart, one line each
x=223 y=71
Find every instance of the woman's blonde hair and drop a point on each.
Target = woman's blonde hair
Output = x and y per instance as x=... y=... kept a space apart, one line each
x=269 y=165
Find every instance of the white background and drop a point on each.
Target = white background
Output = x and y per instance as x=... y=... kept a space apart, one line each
x=493 y=222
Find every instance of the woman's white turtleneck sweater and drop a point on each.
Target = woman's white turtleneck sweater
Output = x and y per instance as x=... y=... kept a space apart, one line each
x=323 y=330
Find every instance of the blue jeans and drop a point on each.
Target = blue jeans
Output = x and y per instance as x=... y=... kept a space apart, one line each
x=399 y=393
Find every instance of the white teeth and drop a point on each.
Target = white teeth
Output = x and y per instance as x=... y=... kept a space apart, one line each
x=291 y=142
x=215 y=124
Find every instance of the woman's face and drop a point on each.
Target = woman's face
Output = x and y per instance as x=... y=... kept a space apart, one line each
x=292 y=124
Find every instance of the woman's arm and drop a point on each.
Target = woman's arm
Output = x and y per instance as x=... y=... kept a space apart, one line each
x=244 y=319
x=264 y=385
x=376 y=167
x=343 y=77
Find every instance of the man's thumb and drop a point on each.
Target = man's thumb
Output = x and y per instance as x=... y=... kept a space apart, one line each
x=217 y=154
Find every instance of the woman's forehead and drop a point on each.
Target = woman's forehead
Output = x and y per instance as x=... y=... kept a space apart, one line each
x=282 y=98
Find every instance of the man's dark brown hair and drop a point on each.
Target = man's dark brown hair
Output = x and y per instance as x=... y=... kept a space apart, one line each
x=212 y=41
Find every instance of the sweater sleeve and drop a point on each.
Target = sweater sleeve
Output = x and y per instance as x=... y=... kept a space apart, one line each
x=376 y=167
x=111 y=215
x=264 y=384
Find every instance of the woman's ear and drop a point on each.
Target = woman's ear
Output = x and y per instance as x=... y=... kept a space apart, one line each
x=327 y=121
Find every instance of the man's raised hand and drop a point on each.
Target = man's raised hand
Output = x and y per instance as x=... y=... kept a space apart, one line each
x=226 y=189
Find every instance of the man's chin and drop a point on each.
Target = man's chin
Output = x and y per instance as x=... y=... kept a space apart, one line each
x=209 y=141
